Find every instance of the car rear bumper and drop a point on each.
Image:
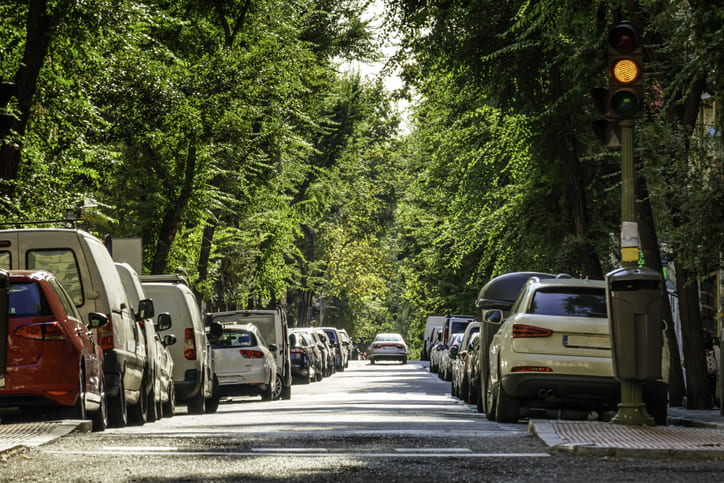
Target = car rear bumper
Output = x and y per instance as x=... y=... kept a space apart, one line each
x=189 y=387
x=554 y=389
x=387 y=356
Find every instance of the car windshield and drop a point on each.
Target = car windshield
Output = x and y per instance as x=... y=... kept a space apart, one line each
x=569 y=302
x=459 y=326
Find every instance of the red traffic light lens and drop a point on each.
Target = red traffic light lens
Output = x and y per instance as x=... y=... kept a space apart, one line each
x=625 y=103
x=624 y=38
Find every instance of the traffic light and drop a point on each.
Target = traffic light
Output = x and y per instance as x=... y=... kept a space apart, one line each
x=607 y=131
x=625 y=72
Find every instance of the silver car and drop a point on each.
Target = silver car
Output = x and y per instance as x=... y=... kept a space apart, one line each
x=388 y=347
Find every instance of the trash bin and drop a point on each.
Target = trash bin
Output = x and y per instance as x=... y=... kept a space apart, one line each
x=635 y=318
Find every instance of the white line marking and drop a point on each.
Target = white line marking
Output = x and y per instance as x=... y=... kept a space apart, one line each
x=289 y=450
x=140 y=448
x=433 y=450
x=309 y=454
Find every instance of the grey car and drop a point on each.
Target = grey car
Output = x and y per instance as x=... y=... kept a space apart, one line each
x=388 y=347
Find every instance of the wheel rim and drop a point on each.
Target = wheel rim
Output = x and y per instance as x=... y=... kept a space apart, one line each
x=278 y=387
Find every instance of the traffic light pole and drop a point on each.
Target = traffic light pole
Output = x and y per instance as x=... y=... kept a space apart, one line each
x=631 y=410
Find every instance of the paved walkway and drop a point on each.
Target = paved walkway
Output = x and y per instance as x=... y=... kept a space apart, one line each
x=690 y=434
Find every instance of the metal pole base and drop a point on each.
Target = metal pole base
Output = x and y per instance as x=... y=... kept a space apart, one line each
x=631 y=409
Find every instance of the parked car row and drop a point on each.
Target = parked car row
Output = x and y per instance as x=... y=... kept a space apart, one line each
x=315 y=354
x=542 y=345
x=89 y=337
x=447 y=336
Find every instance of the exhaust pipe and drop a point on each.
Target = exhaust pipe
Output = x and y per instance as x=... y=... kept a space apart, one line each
x=546 y=393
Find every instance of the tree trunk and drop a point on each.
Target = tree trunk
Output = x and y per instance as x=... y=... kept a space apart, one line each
x=38 y=37
x=652 y=258
x=172 y=220
x=698 y=391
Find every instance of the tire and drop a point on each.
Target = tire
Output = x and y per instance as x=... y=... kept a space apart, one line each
x=404 y=361
x=307 y=379
x=100 y=417
x=507 y=408
x=152 y=413
x=453 y=389
x=117 y=409
x=197 y=404
x=268 y=394
x=490 y=401
x=372 y=362
x=212 y=403
x=78 y=410
x=278 y=387
x=138 y=413
x=472 y=394
x=169 y=408
x=464 y=392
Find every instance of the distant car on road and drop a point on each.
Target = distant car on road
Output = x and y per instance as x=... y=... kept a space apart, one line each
x=388 y=347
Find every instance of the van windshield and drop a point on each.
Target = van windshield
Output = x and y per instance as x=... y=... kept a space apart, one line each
x=61 y=263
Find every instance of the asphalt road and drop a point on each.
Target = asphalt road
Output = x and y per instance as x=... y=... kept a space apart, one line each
x=382 y=422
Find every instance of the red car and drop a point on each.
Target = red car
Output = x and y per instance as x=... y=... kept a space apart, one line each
x=53 y=361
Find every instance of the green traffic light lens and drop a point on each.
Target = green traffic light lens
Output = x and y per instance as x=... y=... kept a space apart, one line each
x=625 y=103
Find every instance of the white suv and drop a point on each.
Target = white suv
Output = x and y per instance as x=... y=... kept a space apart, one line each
x=554 y=351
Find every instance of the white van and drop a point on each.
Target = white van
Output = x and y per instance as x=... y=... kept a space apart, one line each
x=273 y=327
x=86 y=270
x=433 y=320
x=157 y=352
x=193 y=375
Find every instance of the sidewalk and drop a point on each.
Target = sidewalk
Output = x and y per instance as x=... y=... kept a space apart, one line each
x=36 y=433
x=690 y=434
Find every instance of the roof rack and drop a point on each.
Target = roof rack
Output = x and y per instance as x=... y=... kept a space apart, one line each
x=165 y=278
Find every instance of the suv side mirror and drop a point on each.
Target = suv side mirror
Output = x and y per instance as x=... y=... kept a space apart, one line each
x=169 y=339
x=145 y=309
x=96 y=320
x=453 y=352
x=494 y=317
x=163 y=322
x=273 y=347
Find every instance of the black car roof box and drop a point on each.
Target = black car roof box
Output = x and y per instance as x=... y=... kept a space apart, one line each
x=501 y=291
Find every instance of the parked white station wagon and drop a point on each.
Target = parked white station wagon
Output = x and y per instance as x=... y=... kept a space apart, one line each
x=243 y=362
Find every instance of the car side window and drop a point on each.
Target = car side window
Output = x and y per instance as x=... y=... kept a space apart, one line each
x=61 y=263
x=5 y=260
x=64 y=299
x=27 y=300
